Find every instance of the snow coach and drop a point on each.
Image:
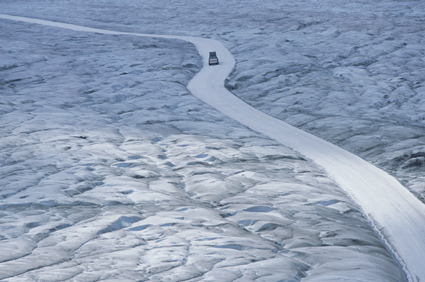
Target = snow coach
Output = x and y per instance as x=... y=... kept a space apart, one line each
x=213 y=60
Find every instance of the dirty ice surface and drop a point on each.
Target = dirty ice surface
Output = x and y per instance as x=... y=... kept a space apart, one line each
x=111 y=171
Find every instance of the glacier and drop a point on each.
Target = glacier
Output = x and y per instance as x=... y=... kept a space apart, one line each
x=101 y=141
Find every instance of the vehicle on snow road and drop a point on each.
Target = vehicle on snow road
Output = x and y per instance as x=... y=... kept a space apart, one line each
x=213 y=60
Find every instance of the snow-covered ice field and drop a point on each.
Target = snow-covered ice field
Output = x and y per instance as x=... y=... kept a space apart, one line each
x=112 y=171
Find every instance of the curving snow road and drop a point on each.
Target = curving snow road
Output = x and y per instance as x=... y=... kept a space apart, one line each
x=395 y=213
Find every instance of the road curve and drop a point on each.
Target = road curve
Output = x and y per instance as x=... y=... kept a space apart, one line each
x=398 y=216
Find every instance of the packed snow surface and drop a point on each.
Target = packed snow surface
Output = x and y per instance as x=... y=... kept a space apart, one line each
x=111 y=171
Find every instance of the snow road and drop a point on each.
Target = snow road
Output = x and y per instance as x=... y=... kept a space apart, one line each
x=394 y=212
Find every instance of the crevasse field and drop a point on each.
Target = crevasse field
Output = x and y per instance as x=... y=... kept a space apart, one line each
x=110 y=170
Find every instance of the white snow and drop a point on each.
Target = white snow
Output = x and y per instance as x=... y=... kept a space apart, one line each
x=273 y=231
